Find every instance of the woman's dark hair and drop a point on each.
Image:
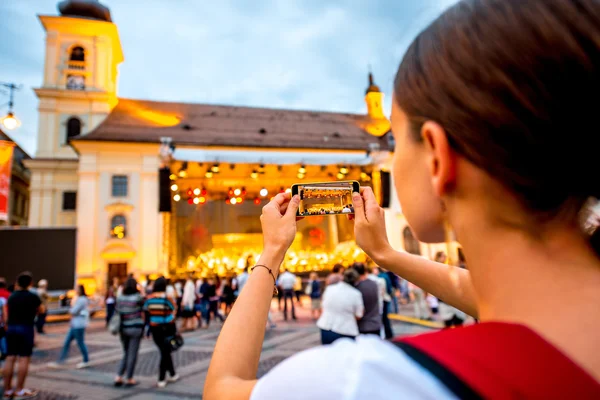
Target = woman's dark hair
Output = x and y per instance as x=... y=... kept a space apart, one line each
x=337 y=268
x=351 y=276
x=130 y=286
x=513 y=84
x=160 y=285
x=81 y=290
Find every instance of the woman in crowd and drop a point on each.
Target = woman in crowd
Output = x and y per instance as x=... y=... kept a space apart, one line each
x=496 y=140
x=228 y=296
x=188 y=303
x=130 y=308
x=342 y=306
x=80 y=319
x=162 y=309
x=213 y=299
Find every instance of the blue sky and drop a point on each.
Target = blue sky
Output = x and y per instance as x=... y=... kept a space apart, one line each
x=307 y=54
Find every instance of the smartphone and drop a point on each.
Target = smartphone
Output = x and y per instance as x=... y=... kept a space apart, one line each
x=325 y=198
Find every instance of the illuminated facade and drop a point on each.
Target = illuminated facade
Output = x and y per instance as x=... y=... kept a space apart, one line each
x=99 y=156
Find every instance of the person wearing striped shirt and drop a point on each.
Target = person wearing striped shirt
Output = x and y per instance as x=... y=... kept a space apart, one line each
x=161 y=309
x=129 y=306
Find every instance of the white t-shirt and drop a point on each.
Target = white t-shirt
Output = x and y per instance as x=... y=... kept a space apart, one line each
x=432 y=301
x=368 y=368
x=342 y=304
x=287 y=280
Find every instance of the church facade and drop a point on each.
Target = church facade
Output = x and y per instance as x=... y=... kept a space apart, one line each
x=99 y=161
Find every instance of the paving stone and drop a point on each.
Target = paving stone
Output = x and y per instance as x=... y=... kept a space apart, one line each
x=43 y=356
x=266 y=365
x=148 y=363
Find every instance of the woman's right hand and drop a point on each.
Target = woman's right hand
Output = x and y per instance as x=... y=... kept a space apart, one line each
x=369 y=227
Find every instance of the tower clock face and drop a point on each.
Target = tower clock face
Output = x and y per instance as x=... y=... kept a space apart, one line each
x=76 y=82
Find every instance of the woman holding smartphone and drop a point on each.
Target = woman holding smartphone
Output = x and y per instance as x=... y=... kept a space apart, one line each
x=496 y=139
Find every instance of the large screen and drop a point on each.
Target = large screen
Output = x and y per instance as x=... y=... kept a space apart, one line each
x=325 y=198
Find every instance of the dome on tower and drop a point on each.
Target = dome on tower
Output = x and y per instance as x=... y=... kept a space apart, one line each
x=373 y=88
x=91 y=9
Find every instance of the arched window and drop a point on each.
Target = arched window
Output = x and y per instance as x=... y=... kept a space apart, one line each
x=73 y=127
x=77 y=54
x=411 y=245
x=118 y=226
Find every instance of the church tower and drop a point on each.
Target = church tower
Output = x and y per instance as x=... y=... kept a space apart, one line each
x=378 y=124
x=79 y=90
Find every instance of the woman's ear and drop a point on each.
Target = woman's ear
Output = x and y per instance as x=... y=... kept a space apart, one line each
x=441 y=159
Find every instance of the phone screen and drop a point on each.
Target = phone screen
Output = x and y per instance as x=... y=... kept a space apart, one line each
x=325 y=198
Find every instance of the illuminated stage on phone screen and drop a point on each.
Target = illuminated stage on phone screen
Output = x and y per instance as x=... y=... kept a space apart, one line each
x=325 y=198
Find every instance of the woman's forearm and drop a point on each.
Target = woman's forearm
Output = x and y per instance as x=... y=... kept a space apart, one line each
x=233 y=368
x=433 y=277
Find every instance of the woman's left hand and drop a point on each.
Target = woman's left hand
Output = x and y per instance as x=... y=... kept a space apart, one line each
x=278 y=222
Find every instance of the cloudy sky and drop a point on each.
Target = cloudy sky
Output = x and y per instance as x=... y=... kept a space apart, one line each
x=307 y=54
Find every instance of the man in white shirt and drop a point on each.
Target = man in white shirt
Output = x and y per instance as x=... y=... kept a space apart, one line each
x=241 y=280
x=287 y=281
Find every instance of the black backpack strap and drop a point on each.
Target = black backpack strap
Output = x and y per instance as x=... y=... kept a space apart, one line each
x=444 y=375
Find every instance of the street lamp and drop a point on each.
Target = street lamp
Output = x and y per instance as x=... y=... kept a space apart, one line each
x=10 y=122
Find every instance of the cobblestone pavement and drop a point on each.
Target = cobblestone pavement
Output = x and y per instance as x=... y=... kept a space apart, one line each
x=191 y=362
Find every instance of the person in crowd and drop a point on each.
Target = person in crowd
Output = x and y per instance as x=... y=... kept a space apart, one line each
x=116 y=286
x=242 y=279
x=479 y=125
x=342 y=307
x=421 y=308
x=148 y=287
x=313 y=289
x=336 y=274
x=370 y=323
x=188 y=304
x=161 y=308
x=21 y=308
x=216 y=292
x=228 y=296
x=130 y=307
x=42 y=292
x=80 y=319
x=287 y=282
x=110 y=302
x=198 y=305
x=4 y=293
x=210 y=300
x=395 y=281
x=387 y=301
x=171 y=291
x=298 y=290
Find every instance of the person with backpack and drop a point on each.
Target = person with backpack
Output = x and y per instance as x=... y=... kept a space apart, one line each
x=496 y=142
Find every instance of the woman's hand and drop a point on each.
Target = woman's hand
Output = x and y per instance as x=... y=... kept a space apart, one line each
x=369 y=227
x=278 y=222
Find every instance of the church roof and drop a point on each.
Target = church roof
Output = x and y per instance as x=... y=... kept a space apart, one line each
x=84 y=9
x=231 y=126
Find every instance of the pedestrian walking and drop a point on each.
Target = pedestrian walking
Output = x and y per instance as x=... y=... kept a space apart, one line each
x=421 y=309
x=342 y=306
x=228 y=296
x=129 y=306
x=21 y=308
x=42 y=292
x=110 y=302
x=162 y=309
x=287 y=282
x=80 y=318
x=4 y=295
x=213 y=298
x=188 y=303
x=387 y=301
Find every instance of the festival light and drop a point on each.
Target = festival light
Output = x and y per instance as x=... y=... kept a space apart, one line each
x=257 y=201
x=177 y=197
x=233 y=200
x=302 y=169
x=202 y=200
x=237 y=192
x=174 y=187
x=208 y=174
x=340 y=175
x=189 y=192
x=254 y=174
x=344 y=170
x=215 y=168
x=172 y=177
x=190 y=201
x=239 y=200
x=196 y=200
x=196 y=192
x=264 y=192
x=230 y=192
x=300 y=176
x=288 y=190
x=244 y=191
x=10 y=122
x=203 y=192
